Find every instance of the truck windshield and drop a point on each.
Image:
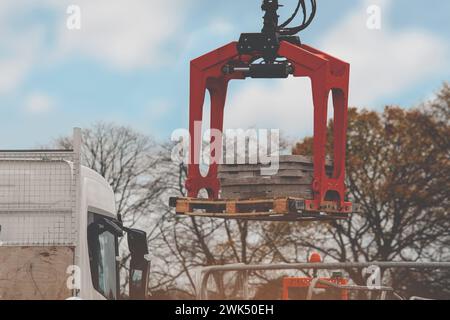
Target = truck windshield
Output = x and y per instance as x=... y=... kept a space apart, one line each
x=103 y=249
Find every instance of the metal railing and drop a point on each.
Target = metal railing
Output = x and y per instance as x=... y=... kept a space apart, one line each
x=384 y=290
x=39 y=196
x=206 y=272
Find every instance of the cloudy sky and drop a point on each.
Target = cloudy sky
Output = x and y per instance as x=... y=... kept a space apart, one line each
x=129 y=62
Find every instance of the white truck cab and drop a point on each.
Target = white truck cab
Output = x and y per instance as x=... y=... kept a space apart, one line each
x=59 y=231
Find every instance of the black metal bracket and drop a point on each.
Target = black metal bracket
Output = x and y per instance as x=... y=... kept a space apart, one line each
x=263 y=43
x=278 y=70
x=266 y=46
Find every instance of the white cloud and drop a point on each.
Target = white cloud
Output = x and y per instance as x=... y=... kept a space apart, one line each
x=158 y=109
x=211 y=35
x=13 y=70
x=123 y=34
x=221 y=27
x=38 y=103
x=127 y=34
x=275 y=104
x=383 y=63
x=18 y=50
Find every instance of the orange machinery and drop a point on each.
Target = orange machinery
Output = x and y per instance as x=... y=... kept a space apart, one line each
x=299 y=288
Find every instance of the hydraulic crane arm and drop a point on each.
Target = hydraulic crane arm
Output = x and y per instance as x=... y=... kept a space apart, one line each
x=275 y=52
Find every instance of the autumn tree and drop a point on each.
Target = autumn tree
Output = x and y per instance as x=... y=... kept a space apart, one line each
x=398 y=169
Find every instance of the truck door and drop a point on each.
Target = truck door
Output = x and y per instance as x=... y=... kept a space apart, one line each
x=103 y=250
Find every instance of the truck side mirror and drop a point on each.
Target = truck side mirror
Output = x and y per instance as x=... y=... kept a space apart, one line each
x=139 y=264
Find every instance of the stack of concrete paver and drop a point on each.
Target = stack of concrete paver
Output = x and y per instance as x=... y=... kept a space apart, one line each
x=247 y=181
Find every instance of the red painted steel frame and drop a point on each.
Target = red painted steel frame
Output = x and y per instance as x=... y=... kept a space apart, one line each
x=327 y=74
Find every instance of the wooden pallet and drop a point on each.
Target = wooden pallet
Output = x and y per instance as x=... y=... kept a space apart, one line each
x=277 y=209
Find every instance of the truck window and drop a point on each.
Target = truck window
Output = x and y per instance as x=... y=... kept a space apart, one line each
x=103 y=249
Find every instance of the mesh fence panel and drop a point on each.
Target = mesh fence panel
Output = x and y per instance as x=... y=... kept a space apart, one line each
x=37 y=198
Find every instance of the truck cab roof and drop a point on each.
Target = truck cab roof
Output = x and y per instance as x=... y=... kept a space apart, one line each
x=99 y=194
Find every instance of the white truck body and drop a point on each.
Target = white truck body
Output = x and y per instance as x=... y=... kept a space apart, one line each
x=46 y=198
